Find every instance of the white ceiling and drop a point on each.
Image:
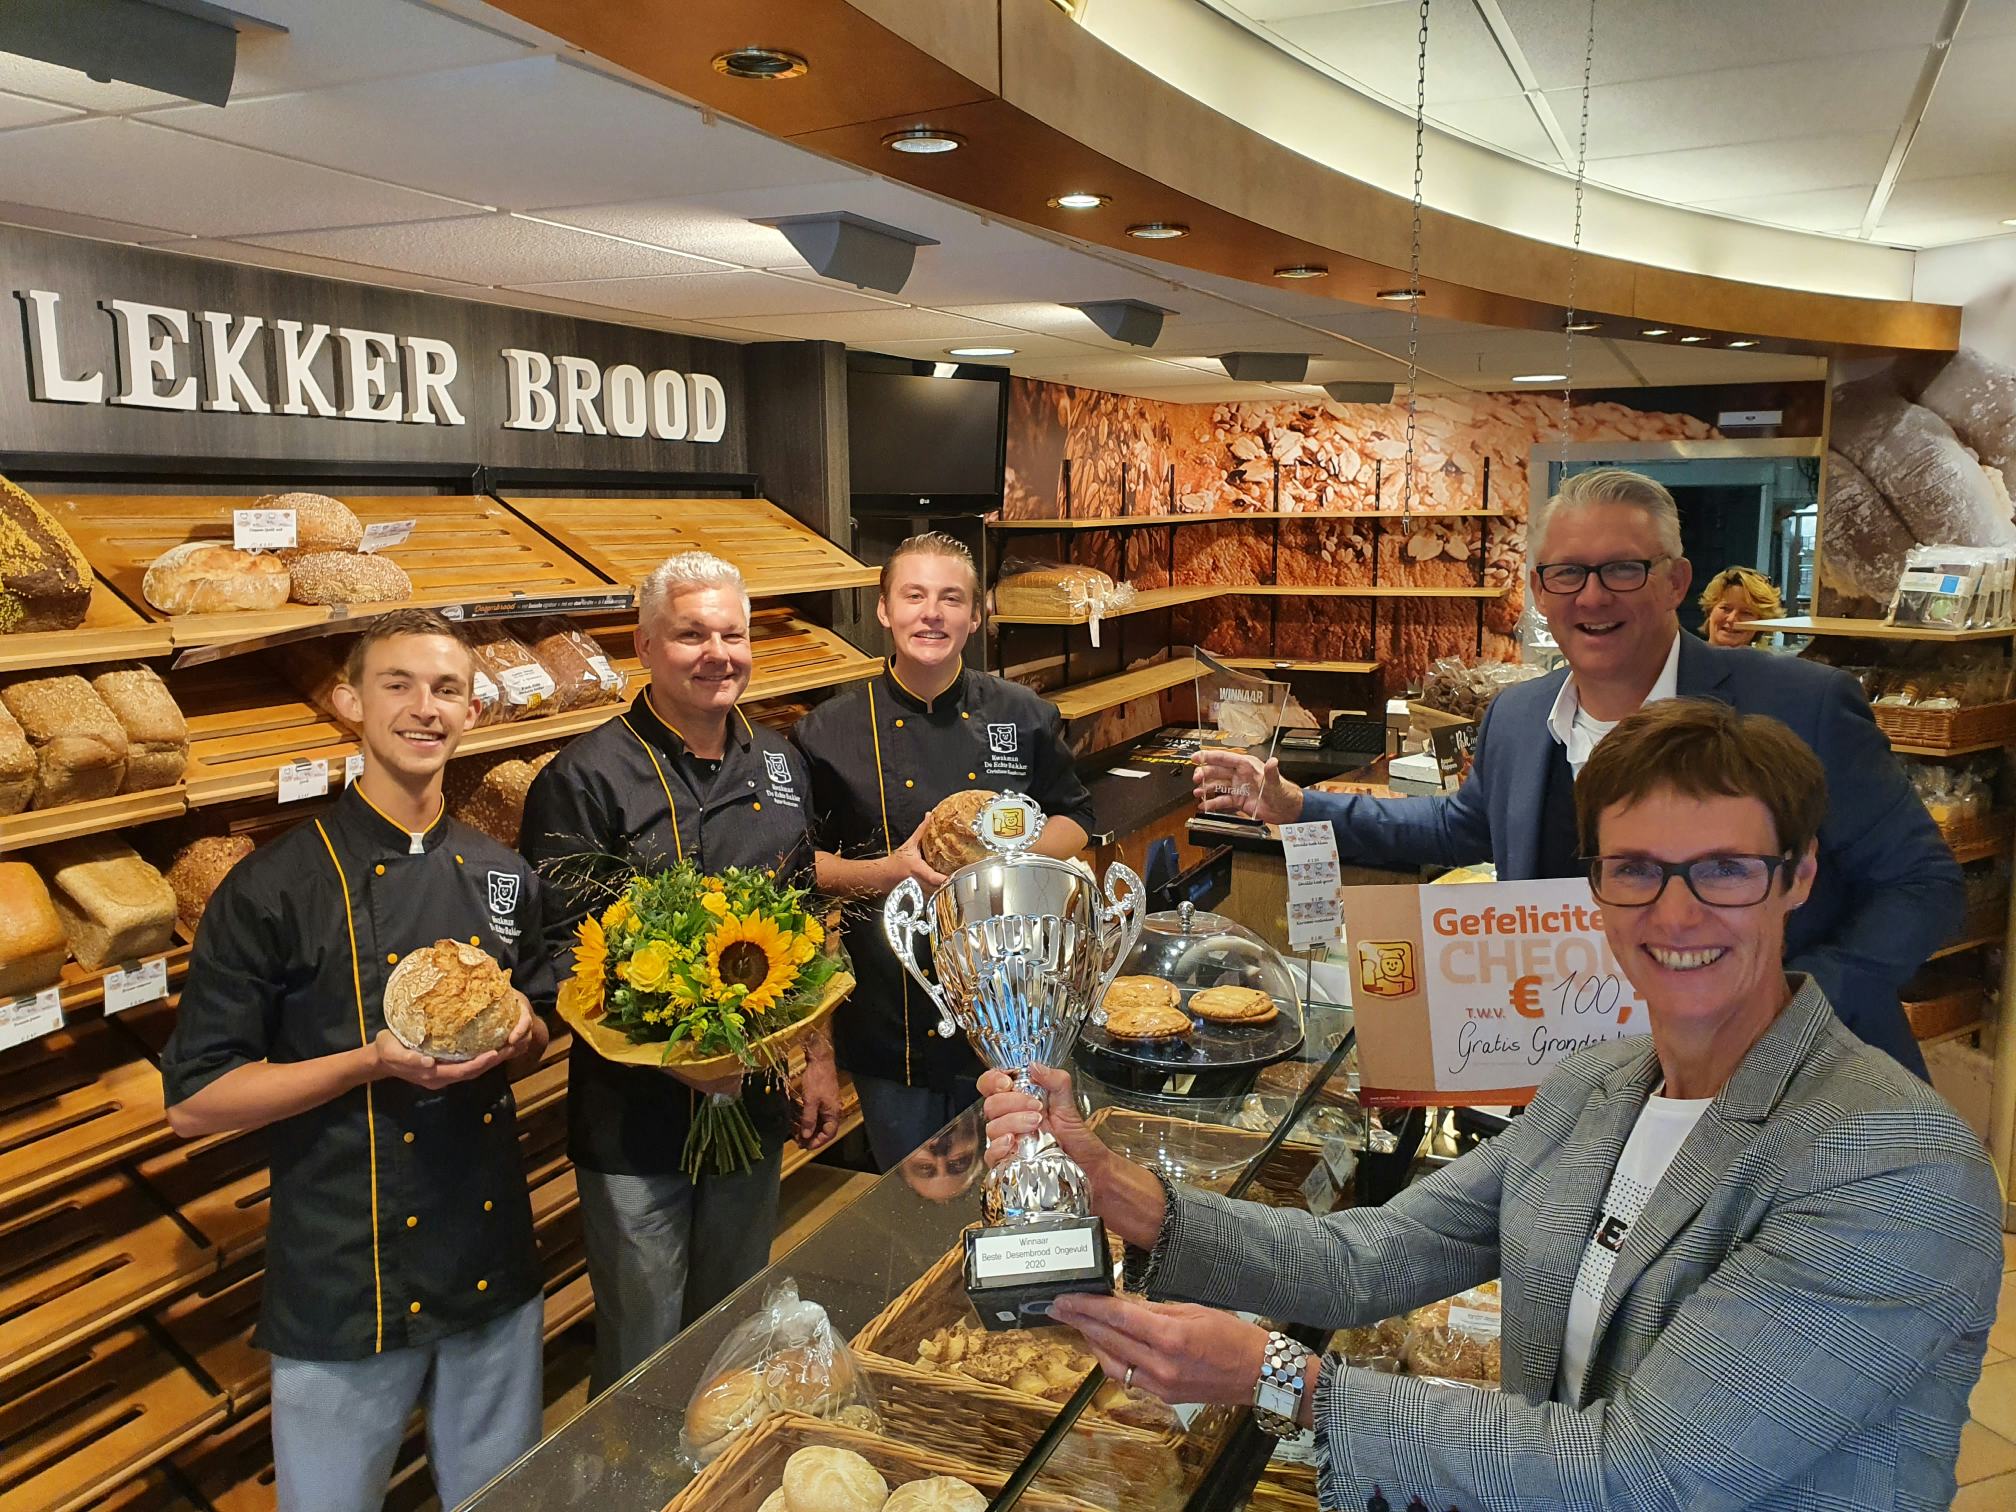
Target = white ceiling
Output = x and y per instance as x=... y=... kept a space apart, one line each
x=1779 y=111
x=448 y=148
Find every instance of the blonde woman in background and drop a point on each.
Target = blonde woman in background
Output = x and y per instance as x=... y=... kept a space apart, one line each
x=1733 y=597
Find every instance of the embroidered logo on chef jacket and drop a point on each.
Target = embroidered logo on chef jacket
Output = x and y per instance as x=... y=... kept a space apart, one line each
x=777 y=767
x=1004 y=756
x=1001 y=739
x=504 y=903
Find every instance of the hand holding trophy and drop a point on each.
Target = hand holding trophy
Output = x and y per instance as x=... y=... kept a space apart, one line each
x=1025 y=946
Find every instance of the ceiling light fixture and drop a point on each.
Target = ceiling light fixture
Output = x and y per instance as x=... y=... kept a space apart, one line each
x=1691 y=340
x=1158 y=230
x=1539 y=377
x=1302 y=270
x=1397 y=296
x=759 y=63
x=1579 y=326
x=1079 y=199
x=979 y=351
x=944 y=369
x=923 y=141
x=2011 y=221
x=1655 y=331
x=1742 y=343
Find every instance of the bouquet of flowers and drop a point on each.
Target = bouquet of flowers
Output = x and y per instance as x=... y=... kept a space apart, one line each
x=709 y=974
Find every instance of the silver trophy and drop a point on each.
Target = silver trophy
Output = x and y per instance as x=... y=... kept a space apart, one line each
x=1025 y=947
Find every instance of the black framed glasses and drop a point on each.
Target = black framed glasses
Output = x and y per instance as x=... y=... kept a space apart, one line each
x=1626 y=575
x=1718 y=881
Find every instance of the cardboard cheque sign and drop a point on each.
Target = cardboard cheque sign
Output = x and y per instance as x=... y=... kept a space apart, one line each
x=1472 y=995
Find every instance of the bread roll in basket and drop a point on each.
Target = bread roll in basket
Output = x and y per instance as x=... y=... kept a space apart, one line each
x=449 y=1000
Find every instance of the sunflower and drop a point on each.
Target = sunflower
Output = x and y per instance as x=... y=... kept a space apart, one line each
x=591 y=959
x=752 y=953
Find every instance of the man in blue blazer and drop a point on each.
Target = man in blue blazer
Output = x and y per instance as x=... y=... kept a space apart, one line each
x=1608 y=574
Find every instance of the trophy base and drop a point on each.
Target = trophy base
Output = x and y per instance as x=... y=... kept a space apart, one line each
x=1015 y=1271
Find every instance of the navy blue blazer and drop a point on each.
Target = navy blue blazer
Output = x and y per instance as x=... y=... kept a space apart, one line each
x=1888 y=893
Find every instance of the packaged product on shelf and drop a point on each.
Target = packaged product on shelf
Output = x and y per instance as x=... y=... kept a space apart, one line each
x=787 y=1357
x=1940 y=588
x=197 y=869
x=1457 y=1339
x=522 y=685
x=157 y=737
x=348 y=577
x=1455 y=687
x=114 y=906
x=80 y=749
x=582 y=676
x=32 y=946
x=1380 y=1346
x=1035 y=585
x=45 y=582
x=213 y=577
x=17 y=765
x=1954 y=792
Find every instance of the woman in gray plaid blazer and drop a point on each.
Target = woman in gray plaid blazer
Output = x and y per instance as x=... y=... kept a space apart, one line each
x=1783 y=1301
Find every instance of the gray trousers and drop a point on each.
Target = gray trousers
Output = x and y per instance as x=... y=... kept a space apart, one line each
x=898 y=1119
x=338 y=1424
x=662 y=1250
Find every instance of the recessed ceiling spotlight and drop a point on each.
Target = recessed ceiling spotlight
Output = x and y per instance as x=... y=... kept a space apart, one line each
x=1158 y=230
x=1655 y=331
x=1302 y=270
x=1579 y=326
x=1539 y=377
x=1080 y=200
x=2011 y=221
x=1742 y=343
x=979 y=351
x=1396 y=296
x=1690 y=340
x=923 y=141
x=759 y=63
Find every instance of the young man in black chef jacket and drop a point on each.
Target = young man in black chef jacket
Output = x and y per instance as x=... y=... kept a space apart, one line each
x=681 y=775
x=399 y=1255
x=883 y=753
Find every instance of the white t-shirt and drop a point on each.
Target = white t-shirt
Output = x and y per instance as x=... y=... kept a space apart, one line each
x=1655 y=1139
x=1579 y=734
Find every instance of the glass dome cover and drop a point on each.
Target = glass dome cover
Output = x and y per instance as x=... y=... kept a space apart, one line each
x=1193 y=949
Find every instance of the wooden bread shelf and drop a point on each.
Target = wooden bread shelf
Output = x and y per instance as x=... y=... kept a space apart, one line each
x=1277 y=664
x=71 y=1105
x=85 y=990
x=94 y=1417
x=67 y=822
x=1862 y=629
x=219 y=1187
x=1146 y=601
x=213 y=1325
x=82 y=1260
x=623 y=539
x=1106 y=692
x=462 y=548
x=111 y=632
x=1365 y=590
x=1132 y=522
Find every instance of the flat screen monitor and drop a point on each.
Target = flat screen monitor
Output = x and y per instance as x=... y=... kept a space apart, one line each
x=924 y=436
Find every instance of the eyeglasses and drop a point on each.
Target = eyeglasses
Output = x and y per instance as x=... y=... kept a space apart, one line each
x=1718 y=881
x=1627 y=575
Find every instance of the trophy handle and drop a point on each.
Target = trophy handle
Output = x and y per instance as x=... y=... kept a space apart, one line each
x=903 y=921
x=1119 y=927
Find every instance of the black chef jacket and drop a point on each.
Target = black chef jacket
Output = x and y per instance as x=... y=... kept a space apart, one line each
x=881 y=759
x=399 y=1215
x=630 y=789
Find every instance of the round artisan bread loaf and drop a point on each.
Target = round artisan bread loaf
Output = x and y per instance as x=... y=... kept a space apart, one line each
x=948 y=841
x=449 y=1000
x=938 y=1493
x=348 y=577
x=197 y=869
x=209 y=577
x=808 y=1379
x=820 y=1478
x=320 y=522
x=722 y=1408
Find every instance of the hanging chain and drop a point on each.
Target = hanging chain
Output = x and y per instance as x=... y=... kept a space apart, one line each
x=1414 y=258
x=1575 y=248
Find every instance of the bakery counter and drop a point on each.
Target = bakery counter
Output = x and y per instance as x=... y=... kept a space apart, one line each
x=922 y=1390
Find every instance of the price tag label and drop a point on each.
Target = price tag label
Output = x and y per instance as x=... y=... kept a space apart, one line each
x=353 y=768
x=383 y=535
x=130 y=986
x=1319 y=1192
x=262 y=529
x=1310 y=852
x=304 y=779
x=30 y=1016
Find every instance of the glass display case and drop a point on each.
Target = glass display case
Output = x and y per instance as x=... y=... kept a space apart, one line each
x=1029 y=1422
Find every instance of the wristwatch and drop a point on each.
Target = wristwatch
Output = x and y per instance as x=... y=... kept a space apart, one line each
x=1277 y=1395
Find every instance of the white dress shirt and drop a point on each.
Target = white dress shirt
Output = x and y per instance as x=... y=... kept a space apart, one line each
x=1581 y=734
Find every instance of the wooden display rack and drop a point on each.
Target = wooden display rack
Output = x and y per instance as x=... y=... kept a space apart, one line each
x=72 y=1105
x=122 y=811
x=623 y=539
x=111 y=632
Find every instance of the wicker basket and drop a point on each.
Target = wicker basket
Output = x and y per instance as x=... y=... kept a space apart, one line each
x=742 y=1478
x=1976 y=838
x=1939 y=730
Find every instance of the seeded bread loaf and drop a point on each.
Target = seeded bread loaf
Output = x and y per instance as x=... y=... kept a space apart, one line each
x=80 y=748
x=114 y=906
x=210 y=577
x=348 y=577
x=17 y=765
x=31 y=936
x=197 y=869
x=157 y=737
x=320 y=522
x=45 y=583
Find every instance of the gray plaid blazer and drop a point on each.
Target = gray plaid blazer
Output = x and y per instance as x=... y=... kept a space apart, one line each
x=1795 y=1321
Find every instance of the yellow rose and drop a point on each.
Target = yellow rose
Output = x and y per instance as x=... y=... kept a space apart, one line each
x=714 y=903
x=802 y=949
x=648 y=969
